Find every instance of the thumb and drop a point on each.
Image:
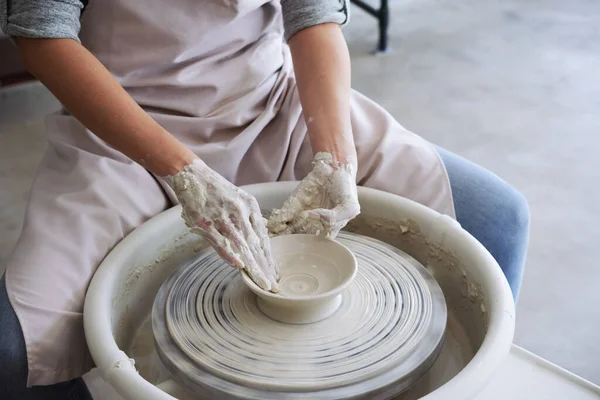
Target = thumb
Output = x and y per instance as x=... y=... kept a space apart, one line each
x=341 y=213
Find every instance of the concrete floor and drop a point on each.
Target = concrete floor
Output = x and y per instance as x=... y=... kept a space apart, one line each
x=512 y=85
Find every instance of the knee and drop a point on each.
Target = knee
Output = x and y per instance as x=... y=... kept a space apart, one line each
x=516 y=213
x=13 y=369
x=13 y=356
x=510 y=248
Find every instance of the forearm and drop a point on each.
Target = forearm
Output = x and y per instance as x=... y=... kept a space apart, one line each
x=88 y=90
x=322 y=67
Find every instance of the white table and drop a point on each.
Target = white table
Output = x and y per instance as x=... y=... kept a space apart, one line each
x=525 y=376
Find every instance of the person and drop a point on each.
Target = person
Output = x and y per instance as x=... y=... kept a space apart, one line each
x=183 y=103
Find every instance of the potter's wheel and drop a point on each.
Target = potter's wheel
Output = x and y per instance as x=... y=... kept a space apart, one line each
x=386 y=334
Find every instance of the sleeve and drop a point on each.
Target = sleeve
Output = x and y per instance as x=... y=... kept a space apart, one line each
x=302 y=14
x=51 y=19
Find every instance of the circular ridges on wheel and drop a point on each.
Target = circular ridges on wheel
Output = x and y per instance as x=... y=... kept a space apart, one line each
x=388 y=330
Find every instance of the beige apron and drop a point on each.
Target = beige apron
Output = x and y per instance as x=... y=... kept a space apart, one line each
x=216 y=74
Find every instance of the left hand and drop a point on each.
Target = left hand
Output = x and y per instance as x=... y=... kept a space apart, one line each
x=323 y=203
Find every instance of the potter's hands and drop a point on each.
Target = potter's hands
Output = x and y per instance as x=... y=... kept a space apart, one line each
x=323 y=203
x=228 y=218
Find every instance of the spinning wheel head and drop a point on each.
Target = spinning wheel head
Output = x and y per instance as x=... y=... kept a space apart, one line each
x=382 y=337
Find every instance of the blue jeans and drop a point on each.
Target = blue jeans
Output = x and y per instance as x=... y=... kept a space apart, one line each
x=493 y=212
x=13 y=363
x=487 y=207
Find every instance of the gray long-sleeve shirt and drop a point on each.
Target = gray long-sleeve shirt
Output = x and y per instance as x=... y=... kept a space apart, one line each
x=60 y=18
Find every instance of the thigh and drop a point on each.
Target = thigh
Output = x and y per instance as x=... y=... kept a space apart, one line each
x=85 y=198
x=394 y=160
x=13 y=362
x=13 y=357
x=493 y=211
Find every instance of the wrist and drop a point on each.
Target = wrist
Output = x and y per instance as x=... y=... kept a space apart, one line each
x=340 y=152
x=339 y=143
x=336 y=156
x=324 y=161
x=181 y=167
x=177 y=163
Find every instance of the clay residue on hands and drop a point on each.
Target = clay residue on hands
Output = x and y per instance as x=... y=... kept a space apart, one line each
x=323 y=202
x=228 y=218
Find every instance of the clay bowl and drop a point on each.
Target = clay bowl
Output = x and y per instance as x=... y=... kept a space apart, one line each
x=313 y=273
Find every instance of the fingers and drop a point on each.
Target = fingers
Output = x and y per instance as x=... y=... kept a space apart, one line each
x=346 y=211
x=342 y=212
x=245 y=228
x=280 y=219
x=259 y=242
x=232 y=247
x=264 y=249
x=242 y=245
x=222 y=246
x=307 y=222
x=321 y=221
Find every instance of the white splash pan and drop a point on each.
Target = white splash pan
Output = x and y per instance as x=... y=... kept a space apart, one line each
x=480 y=305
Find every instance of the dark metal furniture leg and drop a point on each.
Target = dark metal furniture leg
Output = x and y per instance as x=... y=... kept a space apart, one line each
x=384 y=20
x=383 y=17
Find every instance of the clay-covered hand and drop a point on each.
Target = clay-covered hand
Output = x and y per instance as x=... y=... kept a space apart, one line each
x=324 y=201
x=228 y=218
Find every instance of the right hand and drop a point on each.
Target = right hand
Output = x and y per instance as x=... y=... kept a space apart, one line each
x=229 y=219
